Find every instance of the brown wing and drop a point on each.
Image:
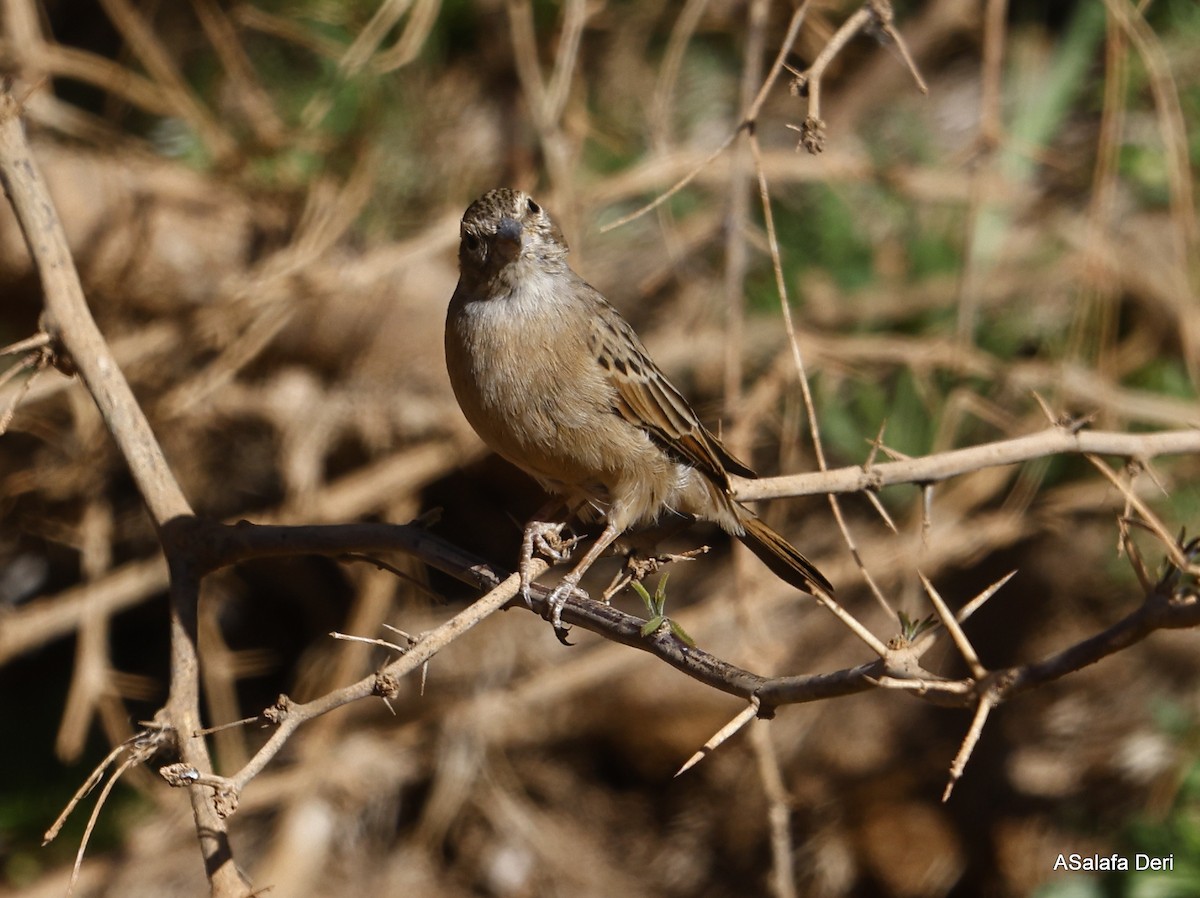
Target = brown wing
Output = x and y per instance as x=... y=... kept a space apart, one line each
x=647 y=399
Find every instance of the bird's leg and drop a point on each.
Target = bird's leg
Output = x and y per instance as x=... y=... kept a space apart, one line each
x=536 y=537
x=543 y=537
x=570 y=582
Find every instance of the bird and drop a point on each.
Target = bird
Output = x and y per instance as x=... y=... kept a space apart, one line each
x=556 y=381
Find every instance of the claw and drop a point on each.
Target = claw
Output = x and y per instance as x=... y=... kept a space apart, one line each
x=558 y=600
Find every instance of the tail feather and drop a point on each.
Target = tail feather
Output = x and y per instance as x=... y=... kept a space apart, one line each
x=780 y=556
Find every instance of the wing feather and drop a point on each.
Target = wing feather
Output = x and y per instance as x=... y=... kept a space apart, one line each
x=646 y=399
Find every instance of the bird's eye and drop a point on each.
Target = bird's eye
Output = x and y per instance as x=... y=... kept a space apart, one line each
x=533 y=207
x=471 y=242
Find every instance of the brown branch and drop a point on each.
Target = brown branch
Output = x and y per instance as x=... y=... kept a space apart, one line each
x=944 y=465
x=56 y=615
x=1163 y=610
x=53 y=616
x=69 y=323
x=230 y=544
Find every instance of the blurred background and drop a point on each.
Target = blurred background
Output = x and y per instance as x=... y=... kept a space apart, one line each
x=262 y=198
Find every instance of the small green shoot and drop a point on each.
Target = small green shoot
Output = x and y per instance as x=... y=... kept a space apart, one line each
x=911 y=629
x=655 y=606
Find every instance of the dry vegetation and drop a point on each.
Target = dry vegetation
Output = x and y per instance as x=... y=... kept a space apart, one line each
x=261 y=199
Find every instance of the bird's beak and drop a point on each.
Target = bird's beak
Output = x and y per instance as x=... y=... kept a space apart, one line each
x=509 y=237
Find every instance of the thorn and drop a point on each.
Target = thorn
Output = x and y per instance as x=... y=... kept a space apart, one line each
x=723 y=735
x=878 y=506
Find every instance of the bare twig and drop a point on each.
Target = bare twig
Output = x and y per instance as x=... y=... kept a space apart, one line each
x=874 y=15
x=288 y=715
x=945 y=465
x=70 y=324
x=779 y=814
x=1148 y=517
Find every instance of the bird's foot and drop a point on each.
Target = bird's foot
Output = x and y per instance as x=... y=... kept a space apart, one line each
x=558 y=600
x=542 y=538
x=551 y=544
